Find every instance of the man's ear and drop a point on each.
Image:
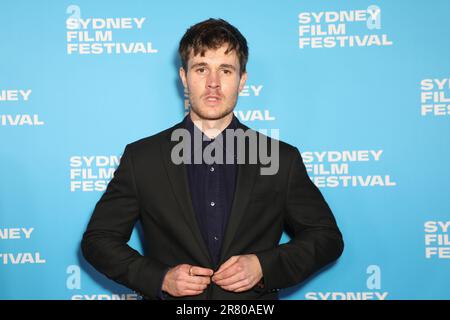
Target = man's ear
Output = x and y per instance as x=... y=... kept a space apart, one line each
x=183 y=77
x=242 y=81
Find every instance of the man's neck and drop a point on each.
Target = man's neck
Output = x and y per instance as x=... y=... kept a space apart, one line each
x=211 y=128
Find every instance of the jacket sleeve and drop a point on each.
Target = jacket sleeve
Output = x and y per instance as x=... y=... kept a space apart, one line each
x=104 y=243
x=316 y=241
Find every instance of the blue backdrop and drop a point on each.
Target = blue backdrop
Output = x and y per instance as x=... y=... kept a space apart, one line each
x=362 y=88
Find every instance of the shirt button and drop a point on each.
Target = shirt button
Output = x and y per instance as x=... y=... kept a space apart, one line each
x=212 y=169
x=216 y=238
x=212 y=204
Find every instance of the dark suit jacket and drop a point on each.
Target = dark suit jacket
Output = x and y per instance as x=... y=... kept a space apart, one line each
x=149 y=187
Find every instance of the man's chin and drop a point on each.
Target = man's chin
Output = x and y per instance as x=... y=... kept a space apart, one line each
x=212 y=115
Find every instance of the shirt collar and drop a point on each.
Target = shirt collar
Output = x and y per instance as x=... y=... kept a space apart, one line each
x=191 y=127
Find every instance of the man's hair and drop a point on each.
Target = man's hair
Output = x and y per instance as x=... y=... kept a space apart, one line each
x=212 y=34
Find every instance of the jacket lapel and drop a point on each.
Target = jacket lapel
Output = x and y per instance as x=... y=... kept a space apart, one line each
x=178 y=178
x=244 y=185
x=246 y=177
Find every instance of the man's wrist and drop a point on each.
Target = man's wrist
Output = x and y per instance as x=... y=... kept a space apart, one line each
x=163 y=288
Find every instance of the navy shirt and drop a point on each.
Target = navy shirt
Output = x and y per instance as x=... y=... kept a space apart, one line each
x=212 y=188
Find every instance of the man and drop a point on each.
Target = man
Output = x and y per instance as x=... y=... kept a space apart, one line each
x=212 y=228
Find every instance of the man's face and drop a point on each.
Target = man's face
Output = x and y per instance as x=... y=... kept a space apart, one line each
x=213 y=82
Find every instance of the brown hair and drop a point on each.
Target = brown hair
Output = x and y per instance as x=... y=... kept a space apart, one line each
x=212 y=34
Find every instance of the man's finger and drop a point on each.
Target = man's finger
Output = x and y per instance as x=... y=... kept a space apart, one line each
x=199 y=280
x=199 y=271
x=238 y=286
x=227 y=281
x=227 y=264
x=226 y=273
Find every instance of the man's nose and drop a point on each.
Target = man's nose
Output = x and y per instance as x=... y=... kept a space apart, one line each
x=213 y=80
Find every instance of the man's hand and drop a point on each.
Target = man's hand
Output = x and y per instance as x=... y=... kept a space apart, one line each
x=239 y=273
x=179 y=283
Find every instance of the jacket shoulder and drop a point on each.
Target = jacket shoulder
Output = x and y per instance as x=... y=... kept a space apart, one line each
x=285 y=148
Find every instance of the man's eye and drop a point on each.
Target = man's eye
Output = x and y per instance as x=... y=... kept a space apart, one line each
x=227 y=71
x=201 y=70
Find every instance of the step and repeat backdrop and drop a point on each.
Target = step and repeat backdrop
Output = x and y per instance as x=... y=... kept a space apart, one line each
x=362 y=88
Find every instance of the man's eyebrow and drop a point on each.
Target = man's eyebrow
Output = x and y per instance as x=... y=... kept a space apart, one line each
x=199 y=64
x=224 y=65
x=204 y=64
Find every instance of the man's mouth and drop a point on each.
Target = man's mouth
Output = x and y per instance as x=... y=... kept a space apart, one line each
x=212 y=99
